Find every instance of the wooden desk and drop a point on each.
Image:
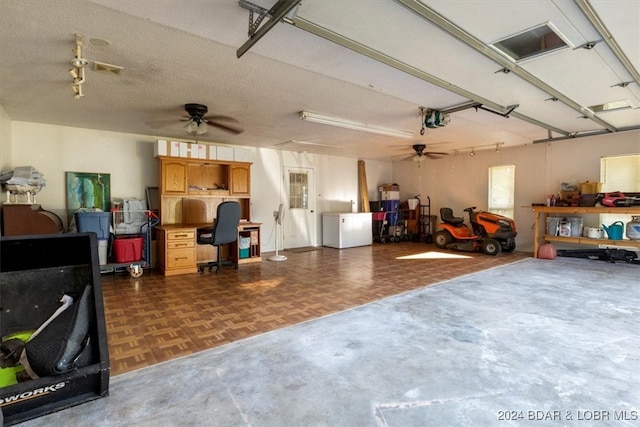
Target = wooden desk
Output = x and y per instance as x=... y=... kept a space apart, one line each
x=179 y=253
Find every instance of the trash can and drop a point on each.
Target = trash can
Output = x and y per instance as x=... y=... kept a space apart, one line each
x=244 y=244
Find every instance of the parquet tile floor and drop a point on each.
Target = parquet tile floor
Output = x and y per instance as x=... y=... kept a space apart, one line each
x=154 y=318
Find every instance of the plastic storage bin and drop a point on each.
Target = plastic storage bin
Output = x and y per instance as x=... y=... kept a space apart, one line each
x=244 y=243
x=103 y=246
x=35 y=271
x=127 y=249
x=94 y=222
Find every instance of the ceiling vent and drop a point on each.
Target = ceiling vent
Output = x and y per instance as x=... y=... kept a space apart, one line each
x=101 y=67
x=537 y=41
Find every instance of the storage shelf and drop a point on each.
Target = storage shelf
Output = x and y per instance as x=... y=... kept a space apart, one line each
x=588 y=241
x=541 y=213
x=632 y=210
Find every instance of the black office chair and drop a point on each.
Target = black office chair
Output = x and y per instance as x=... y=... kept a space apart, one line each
x=224 y=231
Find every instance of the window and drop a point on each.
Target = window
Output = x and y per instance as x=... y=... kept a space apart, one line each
x=502 y=190
x=619 y=173
x=298 y=190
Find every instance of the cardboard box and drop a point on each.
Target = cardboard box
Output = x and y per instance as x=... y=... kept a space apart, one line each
x=35 y=271
x=390 y=195
x=221 y=152
x=389 y=187
x=166 y=148
x=224 y=153
x=193 y=151
x=241 y=154
x=569 y=195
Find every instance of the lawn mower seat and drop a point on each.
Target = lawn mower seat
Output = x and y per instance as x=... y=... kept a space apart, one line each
x=446 y=214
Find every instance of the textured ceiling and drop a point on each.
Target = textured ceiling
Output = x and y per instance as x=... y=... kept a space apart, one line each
x=176 y=52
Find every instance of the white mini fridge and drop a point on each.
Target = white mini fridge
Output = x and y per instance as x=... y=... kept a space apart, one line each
x=346 y=230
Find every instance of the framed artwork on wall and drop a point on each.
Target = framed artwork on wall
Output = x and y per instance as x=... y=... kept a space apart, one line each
x=87 y=190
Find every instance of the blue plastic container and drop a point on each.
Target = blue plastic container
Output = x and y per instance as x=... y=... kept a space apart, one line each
x=94 y=222
x=390 y=205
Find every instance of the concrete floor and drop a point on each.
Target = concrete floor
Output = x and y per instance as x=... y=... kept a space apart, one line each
x=537 y=342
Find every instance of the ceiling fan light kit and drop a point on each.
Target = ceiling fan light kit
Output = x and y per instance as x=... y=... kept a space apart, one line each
x=198 y=124
x=421 y=154
x=349 y=124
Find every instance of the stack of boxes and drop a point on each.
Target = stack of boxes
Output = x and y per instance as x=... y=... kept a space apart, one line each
x=390 y=203
x=189 y=150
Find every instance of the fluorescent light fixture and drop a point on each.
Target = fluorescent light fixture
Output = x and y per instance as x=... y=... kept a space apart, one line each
x=348 y=124
x=611 y=106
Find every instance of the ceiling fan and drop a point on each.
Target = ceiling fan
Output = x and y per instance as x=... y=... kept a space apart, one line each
x=198 y=123
x=420 y=154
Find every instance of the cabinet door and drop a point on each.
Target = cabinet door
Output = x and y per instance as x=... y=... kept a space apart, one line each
x=174 y=176
x=206 y=177
x=239 y=179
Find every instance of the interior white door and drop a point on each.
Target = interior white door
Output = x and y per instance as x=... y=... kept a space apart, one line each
x=299 y=223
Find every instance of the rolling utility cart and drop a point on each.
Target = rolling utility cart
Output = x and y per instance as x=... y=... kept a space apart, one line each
x=427 y=221
x=386 y=223
x=379 y=226
x=130 y=242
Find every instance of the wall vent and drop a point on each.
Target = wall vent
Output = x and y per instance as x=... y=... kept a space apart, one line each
x=101 y=67
x=536 y=41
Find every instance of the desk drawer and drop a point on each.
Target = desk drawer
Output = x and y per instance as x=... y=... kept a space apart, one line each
x=179 y=235
x=178 y=258
x=180 y=244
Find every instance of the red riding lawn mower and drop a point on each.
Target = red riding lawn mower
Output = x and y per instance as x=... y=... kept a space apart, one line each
x=490 y=233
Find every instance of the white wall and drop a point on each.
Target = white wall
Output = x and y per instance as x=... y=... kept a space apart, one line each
x=461 y=181
x=54 y=150
x=336 y=185
x=128 y=158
